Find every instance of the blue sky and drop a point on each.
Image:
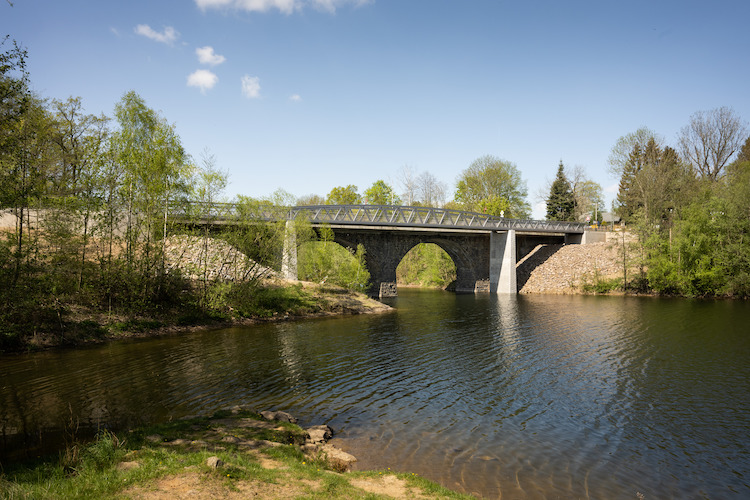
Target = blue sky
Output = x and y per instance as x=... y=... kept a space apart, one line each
x=306 y=95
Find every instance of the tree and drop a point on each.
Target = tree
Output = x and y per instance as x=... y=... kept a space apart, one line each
x=16 y=109
x=654 y=184
x=627 y=201
x=310 y=199
x=493 y=186
x=589 y=200
x=407 y=179
x=561 y=201
x=79 y=152
x=744 y=154
x=381 y=193
x=619 y=156
x=155 y=172
x=341 y=195
x=711 y=139
x=208 y=188
x=431 y=191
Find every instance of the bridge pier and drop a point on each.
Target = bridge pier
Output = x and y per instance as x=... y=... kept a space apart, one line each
x=289 y=255
x=503 y=262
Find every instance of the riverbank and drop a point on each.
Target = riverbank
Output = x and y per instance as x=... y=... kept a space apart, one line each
x=84 y=326
x=236 y=453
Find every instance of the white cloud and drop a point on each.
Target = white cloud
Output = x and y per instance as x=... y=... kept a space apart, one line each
x=206 y=55
x=295 y=97
x=285 y=6
x=251 y=86
x=168 y=36
x=203 y=79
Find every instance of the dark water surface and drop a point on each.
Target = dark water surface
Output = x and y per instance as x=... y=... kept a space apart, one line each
x=513 y=397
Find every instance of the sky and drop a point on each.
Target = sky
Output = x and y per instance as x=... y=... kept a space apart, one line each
x=306 y=95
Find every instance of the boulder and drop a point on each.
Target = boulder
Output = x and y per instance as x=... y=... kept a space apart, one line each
x=318 y=434
x=338 y=459
x=279 y=416
x=214 y=462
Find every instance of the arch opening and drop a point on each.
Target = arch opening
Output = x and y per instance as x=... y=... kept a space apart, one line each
x=426 y=265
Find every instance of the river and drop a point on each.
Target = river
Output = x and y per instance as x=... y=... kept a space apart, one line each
x=534 y=396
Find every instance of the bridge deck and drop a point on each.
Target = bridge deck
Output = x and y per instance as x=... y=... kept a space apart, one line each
x=376 y=215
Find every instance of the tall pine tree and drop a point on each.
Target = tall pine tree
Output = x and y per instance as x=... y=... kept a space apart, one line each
x=561 y=202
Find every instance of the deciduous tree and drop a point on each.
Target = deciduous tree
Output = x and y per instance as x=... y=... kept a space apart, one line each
x=155 y=168
x=431 y=192
x=711 y=139
x=619 y=156
x=344 y=195
x=381 y=193
x=493 y=186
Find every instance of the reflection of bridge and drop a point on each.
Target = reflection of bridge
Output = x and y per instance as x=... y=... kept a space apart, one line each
x=484 y=248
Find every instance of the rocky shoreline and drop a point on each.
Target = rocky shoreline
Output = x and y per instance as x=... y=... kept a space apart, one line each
x=563 y=269
x=228 y=426
x=234 y=454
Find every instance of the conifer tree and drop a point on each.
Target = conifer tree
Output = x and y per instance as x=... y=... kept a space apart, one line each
x=561 y=202
x=627 y=200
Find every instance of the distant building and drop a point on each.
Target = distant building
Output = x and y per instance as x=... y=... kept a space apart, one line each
x=610 y=218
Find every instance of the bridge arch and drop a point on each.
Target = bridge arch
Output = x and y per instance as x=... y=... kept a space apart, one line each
x=484 y=249
x=383 y=253
x=427 y=263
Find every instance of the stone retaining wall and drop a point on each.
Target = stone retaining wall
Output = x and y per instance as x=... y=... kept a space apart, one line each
x=562 y=268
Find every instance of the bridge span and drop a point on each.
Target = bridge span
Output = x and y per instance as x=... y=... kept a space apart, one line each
x=485 y=248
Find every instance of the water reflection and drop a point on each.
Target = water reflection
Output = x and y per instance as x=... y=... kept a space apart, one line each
x=524 y=397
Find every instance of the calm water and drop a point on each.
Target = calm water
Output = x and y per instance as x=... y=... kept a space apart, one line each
x=512 y=397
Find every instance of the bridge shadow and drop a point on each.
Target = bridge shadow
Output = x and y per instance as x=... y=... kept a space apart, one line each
x=532 y=260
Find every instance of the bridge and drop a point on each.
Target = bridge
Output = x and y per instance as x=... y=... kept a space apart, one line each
x=484 y=248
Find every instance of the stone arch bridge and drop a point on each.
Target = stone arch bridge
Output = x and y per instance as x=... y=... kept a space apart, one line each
x=484 y=248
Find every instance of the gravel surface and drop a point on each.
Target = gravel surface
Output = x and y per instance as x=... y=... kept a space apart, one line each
x=563 y=268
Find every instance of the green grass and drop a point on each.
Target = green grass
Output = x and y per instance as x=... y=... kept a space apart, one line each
x=90 y=471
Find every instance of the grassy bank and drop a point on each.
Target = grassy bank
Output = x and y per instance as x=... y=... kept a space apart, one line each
x=77 y=324
x=234 y=454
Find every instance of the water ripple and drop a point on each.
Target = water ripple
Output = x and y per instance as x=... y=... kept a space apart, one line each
x=514 y=397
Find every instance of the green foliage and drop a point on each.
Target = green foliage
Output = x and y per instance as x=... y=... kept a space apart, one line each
x=426 y=265
x=561 y=202
x=493 y=186
x=344 y=195
x=328 y=262
x=654 y=184
x=381 y=193
x=744 y=155
x=602 y=285
x=249 y=299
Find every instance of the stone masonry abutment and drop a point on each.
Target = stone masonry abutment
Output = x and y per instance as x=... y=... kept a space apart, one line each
x=385 y=250
x=485 y=260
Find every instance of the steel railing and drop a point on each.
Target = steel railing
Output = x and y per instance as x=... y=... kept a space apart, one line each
x=370 y=215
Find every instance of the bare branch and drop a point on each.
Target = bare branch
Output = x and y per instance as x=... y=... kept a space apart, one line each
x=711 y=139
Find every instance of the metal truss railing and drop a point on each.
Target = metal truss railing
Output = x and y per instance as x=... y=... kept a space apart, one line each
x=371 y=215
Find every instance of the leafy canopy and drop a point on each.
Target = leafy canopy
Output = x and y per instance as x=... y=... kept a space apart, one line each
x=493 y=186
x=344 y=195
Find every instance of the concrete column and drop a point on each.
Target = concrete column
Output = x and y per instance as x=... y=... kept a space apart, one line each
x=289 y=256
x=503 y=262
